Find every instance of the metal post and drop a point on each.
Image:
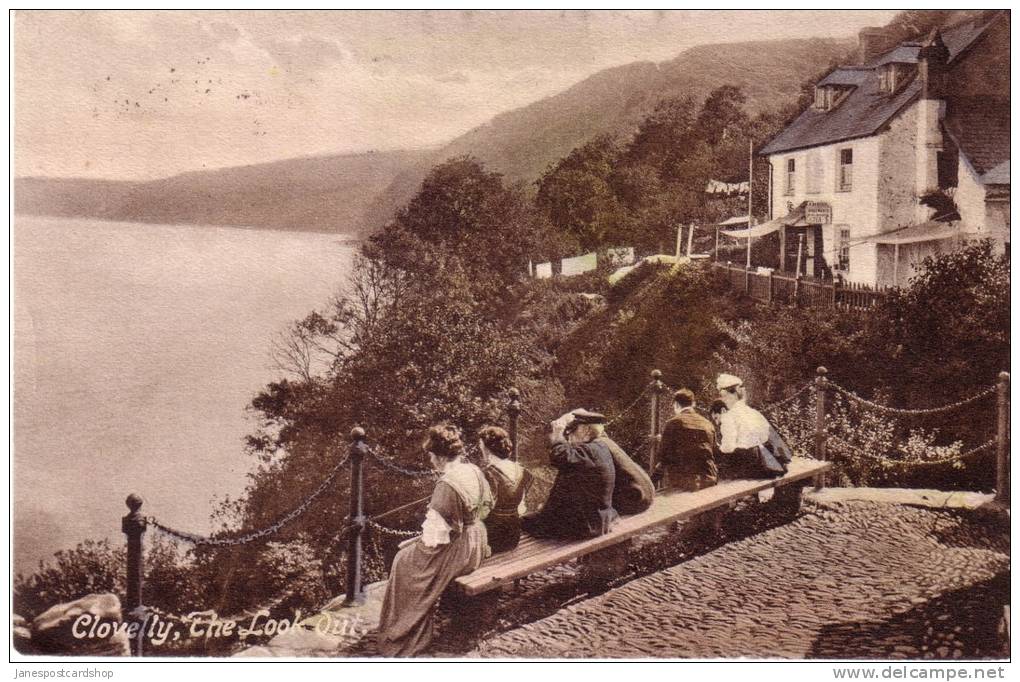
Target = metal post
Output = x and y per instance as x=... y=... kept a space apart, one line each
x=514 y=408
x=1002 y=441
x=820 y=455
x=133 y=526
x=656 y=392
x=356 y=518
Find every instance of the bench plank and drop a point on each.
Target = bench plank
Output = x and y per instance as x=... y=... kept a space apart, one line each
x=534 y=554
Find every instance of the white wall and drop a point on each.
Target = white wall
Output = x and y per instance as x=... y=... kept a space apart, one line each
x=856 y=208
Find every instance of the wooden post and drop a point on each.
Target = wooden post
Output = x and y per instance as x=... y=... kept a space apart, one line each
x=716 y=243
x=654 y=440
x=690 y=239
x=820 y=389
x=679 y=241
x=355 y=595
x=133 y=526
x=514 y=408
x=1002 y=441
x=771 y=289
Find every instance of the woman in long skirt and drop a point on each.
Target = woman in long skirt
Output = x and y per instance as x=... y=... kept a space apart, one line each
x=453 y=542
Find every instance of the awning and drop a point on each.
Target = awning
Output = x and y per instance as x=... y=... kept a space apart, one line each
x=756 y=231
x=925 y=232
x=735 y=220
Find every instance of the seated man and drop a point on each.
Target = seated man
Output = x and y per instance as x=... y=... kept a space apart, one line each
x=633 y=491
x=687 y=450
x=580 y=504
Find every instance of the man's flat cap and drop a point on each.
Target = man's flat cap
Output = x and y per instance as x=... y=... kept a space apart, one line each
x=582 y=416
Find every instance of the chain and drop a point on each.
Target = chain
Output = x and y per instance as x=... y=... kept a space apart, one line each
x=629 y=407
x=921 y=463
x=395 y=532
x=779 y=403
x=406 y=471
x=850 y=395
x=201 y=540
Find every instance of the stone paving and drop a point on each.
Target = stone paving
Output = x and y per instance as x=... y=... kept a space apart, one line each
x=847 y=579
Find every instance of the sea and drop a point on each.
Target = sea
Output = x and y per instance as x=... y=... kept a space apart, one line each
x=137 y=350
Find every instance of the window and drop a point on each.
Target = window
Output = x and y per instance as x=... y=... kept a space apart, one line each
x=791 y=175
x=844 y=248
x=820 y=98
x=846 y=170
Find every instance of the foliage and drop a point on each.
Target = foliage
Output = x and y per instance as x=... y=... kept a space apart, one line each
x=94 y=567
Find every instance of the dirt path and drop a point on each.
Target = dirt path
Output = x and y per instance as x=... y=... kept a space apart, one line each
x=845 y=580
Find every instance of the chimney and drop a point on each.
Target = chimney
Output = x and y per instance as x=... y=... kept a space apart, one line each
x=932 y=60
x=875 y=41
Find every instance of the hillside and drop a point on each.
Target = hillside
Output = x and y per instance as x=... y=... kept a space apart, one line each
x=324 y=194
x=360 y=192
x=523 y=142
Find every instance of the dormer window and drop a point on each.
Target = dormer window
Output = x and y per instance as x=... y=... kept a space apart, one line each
x=828 y=97
x=892 y=76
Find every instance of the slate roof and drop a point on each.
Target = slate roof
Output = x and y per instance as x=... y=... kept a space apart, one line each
x=980 y=128
x=866 y=109
x=846 y=75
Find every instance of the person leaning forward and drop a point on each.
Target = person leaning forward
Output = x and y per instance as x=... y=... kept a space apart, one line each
x=687 y=450
x=580 y=504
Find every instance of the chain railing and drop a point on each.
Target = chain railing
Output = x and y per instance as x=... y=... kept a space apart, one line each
x=844 y=446
x=134 y=523
x=206 y=541
x=899 y=411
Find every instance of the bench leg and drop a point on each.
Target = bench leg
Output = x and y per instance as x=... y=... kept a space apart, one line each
x=788 y=498
x=599 y=568
x=472 y=617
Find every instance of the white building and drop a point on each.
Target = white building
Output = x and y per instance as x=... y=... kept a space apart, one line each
x=898 y=158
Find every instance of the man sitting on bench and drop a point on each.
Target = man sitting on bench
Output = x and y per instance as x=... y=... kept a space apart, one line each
x=580 y=504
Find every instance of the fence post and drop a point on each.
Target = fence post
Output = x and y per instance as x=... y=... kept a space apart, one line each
x=356 y=518
x=747 y=279
x=820 y=391
x=514 y=408
x=771 y=290
x=1002 y=481
x=133 y=526
x=656 y=388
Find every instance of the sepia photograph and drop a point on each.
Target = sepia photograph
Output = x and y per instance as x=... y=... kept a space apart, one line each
x=511 y=335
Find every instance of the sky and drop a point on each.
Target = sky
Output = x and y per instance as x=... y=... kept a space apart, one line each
x=144 y=94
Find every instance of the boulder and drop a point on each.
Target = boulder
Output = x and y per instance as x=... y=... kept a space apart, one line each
x=53 y=632
x=21 y=635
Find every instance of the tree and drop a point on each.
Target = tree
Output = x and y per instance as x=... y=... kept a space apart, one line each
x=577 y=196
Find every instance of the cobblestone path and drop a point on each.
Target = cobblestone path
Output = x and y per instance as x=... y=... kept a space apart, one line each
x=844 y=580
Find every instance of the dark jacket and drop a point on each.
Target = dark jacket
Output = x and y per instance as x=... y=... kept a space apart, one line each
x=633 y=491
x=580 y=504
x=688 y=445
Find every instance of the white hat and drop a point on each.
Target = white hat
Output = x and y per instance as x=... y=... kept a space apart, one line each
x=725 y=381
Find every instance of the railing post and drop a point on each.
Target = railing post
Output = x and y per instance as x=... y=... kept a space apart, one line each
x=356 y=518
x=133 y=526
x=1002 y=441
x=514 y=408
x=656 y=389
x=820 y=390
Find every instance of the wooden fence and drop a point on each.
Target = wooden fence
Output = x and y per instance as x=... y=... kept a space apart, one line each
x=773 y=287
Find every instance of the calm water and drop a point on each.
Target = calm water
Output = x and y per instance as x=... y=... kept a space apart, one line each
x=136 y=351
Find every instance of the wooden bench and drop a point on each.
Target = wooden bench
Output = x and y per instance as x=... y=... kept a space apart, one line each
x=533 y=554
